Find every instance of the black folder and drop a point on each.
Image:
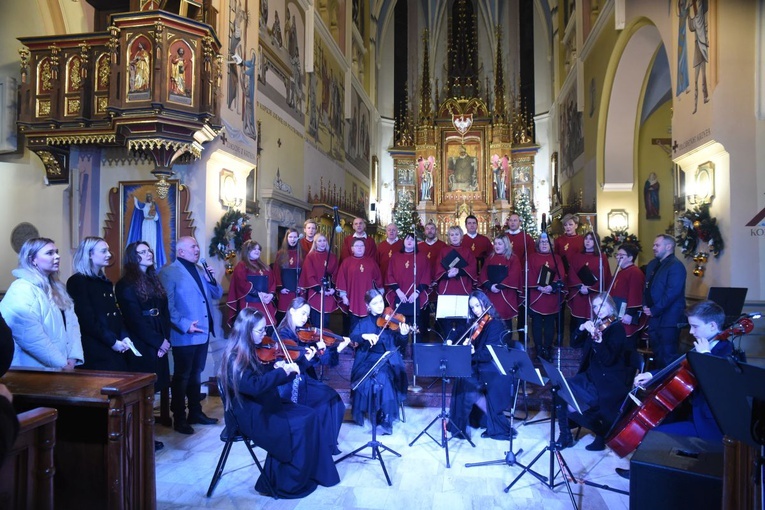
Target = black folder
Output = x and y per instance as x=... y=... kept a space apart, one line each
x=453 y=259
x=290 y=278
x=546 y=276
x=496 y=274
x=259 y=284
x=586 y=276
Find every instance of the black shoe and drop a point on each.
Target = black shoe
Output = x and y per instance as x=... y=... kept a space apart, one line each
x=201 y=419
x=624 y=473
x=385 y=428
x=183 y=427
x=598 y=445
x=565 y=441
x=158 y=445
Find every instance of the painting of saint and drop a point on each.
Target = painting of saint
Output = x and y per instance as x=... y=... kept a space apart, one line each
x=651 y=197
x=180 y=74
x=462 y=171
x=426 y=177
x=146 y=225
x=139 y=70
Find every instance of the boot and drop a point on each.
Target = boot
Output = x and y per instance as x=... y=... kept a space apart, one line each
x=565 y=438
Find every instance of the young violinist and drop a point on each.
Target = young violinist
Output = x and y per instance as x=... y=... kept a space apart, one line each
x=252 y=284
x=373 y=336
x=481 y=399
x=299 y=457
x=501 y=278
x=579 y=293
x=310 y=391
x=544 y=299
x=602 y=381
x=314 y=270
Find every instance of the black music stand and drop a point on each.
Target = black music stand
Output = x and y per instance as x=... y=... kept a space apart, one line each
x=441 y=360
x=517 y=364
x=560 y=388
x=374 y=444
x=735 y=392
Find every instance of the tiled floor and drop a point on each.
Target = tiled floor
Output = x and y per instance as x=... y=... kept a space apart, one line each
x=420 y=477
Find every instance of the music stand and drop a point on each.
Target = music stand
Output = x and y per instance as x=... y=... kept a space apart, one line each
x=559 y=387
x=517 y=364
x=440 y=360
x=374 y=444
x=452 y=307
x=736 y=395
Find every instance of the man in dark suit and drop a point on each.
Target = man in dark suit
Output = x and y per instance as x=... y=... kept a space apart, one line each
x=191 y=296
x=9 y=423
x=664 y=299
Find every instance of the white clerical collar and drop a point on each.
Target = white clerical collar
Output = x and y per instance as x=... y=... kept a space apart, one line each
x=392 y=242
x=362 y=236
x=472 y=236
x=514 y=232
x=427 y=241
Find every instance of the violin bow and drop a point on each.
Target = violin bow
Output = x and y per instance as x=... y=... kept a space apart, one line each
x=287 y=357
x=462 y=339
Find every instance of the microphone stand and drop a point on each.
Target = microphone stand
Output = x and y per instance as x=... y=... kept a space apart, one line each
x=414 y=388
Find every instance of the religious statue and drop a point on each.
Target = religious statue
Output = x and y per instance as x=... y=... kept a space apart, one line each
x=651 y=197
x=178 y=74
x=146 y=226
x=426 y=177
x=139 y=70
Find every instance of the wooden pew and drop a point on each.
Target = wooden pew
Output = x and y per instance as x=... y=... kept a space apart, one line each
x=104 y=453
x=26 y=476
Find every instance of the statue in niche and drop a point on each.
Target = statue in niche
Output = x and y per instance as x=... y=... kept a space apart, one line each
x=651 y=197
x=462 y=171
x=426 y=177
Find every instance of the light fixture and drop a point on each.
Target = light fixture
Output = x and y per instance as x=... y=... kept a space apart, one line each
x=227 y=193
x=702 y=188
x=618 y=220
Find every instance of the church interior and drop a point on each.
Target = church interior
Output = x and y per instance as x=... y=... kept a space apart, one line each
x=225 y=114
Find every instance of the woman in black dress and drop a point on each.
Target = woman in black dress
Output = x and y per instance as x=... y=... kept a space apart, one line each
x=310 y=391
x=104 y=338
x=481 y=399
x=143 y=303
x=372 y=342
x=299 y=458
x=603 y=378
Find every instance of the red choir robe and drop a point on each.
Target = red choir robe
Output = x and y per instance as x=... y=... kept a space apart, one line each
x=539 y=302
x=628 y=288
x=294 y=262
x=481 y=246
x=516 y=241
x=462 y=284
x=240 y=287
x=355 y=277
x=579 y=303
x=305 y=246
x=566 y=246
x=400 y=275
x=311 y=276
x=385 y=251
x=431 y=252
x=506 y=300
x=370 y=251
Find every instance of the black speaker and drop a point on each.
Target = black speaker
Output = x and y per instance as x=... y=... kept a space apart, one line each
x=676 y=472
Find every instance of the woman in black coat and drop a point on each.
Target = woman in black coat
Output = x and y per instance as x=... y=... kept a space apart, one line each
x=481 y=399
x=603 y=379
x=104 y=339
x=299 y=458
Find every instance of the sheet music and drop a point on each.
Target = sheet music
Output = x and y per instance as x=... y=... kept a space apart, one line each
x=496 y=359
x=129 y=343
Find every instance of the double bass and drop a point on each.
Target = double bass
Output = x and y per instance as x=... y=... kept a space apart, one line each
x=674 y=384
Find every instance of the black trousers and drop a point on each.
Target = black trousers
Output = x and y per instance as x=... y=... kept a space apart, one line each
x=189 y=363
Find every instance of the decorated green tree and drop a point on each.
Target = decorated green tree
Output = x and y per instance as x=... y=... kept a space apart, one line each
x=405 y=217
x=523 y=209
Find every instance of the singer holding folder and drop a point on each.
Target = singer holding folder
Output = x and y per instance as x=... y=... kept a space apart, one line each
x=287 y=265
x=546 y=275
x=252 y=284
x=584 y=279
x=456 y=275
x=501 y=278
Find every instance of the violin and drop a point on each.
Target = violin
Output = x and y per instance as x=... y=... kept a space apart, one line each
x=389 y=319
x=269 y=351
x=310 y=335
x=478 y=327
x=601 y=325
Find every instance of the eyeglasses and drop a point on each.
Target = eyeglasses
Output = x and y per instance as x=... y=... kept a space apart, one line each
x=621 y=255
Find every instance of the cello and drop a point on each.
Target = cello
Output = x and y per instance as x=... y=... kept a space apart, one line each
x=673 y=384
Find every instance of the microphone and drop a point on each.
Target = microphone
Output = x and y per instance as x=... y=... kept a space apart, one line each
x=338 y=228
x=301 y=236
x=544 y=222
x=208 y=272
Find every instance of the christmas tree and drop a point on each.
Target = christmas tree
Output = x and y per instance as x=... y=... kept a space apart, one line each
x=406 y=218
x=523 y=209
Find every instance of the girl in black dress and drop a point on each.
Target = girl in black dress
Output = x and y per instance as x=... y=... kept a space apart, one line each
x=372 y=341
x=299 y=458
x=480 y=400
x=104 y=338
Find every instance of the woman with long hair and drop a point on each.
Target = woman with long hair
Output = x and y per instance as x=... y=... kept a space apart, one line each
x=311 y=279
x=40 y=312
x=287 y=267
x=299 y=458
x=252 y=284
x=481 y=399
x=546 y=276
x=104 y=337
x=590 y=261
x=310 y=391
x=372 y=342
x=501 y=280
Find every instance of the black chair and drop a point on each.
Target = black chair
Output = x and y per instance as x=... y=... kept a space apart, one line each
x=230 y=435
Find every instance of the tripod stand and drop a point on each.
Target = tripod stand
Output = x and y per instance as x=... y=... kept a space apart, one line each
x=515 y=362
x=374 y=444
x=443 y=361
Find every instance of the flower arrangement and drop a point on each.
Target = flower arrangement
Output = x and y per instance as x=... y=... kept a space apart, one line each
x=229 y=233
x=697 y=226
x=610 y=243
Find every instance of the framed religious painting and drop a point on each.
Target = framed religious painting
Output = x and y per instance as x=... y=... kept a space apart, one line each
x=142 y=211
